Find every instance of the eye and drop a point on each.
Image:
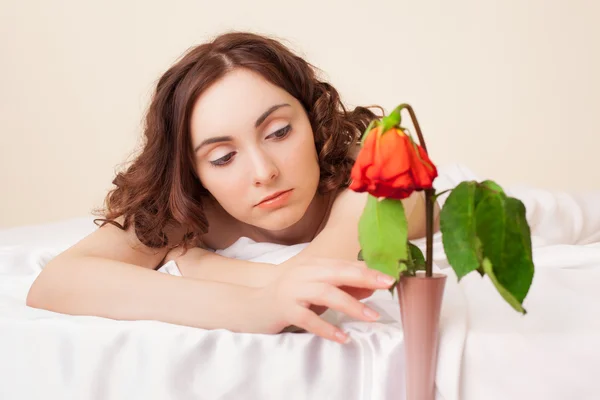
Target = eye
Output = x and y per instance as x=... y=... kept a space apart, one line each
x=281 y=133
x=219 y=162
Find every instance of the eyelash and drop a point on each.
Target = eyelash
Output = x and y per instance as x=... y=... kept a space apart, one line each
x=220 y=162
x=283 y=131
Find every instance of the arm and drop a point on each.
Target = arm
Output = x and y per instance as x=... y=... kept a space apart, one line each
x=203 y=264
x=117 y=290
x=339 y=237
x=103 y=275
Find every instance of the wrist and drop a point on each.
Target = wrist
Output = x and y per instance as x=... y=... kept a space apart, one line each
x=219 y=305
x=202 y=264
x=251 y=318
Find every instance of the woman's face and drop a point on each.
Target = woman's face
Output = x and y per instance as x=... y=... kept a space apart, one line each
x=253 y=142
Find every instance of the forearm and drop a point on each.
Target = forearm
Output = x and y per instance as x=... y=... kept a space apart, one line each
x=116 y=290
x=203 y=264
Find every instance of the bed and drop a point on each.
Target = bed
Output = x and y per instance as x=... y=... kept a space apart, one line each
x=487 y=351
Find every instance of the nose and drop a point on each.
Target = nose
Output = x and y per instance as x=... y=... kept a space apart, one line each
x=265 y=169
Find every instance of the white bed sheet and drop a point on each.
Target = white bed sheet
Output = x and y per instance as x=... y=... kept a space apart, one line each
x=487 y=351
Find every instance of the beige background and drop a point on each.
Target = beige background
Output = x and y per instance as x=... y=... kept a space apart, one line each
x=509 y=88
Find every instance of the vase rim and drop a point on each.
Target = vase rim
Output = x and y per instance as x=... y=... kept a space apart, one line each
x=421 y=275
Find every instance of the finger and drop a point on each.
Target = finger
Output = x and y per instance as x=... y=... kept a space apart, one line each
x=309 y=321
x=332 y=297
x=341 y=273
x=329 y=261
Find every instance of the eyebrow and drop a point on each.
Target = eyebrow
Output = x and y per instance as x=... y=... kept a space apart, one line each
x=266 y=114
x=216 y=139
x=259 y=121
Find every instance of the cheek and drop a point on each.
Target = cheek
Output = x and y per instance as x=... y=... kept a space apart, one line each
x=302 y=158
x=227 y=186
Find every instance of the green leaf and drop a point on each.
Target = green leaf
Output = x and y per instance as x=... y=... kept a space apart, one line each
x=415 y=262
x=402 y=267
x=492 y=185
x=486 y=231
x=521 y=256
x=506 y=238
x=360 y=256
x=514 y=303
x=383 y=235
x=459 y=235
x=416 y=256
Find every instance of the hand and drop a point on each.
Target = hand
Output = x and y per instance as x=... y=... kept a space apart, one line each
x=356 y=292
x=287 y=300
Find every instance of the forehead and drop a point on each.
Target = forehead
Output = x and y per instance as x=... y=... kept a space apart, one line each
x=234 y=102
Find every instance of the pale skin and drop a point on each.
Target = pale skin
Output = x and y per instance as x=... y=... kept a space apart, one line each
x=245 y=151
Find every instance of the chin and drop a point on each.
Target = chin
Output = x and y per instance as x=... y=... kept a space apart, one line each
x=280 y=219
x=284 y=217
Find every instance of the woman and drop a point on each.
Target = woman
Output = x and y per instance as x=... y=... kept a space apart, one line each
x=241 y=139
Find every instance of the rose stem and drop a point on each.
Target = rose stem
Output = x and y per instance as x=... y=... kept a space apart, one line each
x=428 y=198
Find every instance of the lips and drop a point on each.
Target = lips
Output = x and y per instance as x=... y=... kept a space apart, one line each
x=273 y=196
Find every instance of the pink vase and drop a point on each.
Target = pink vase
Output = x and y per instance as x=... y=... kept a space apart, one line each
x=420 y=301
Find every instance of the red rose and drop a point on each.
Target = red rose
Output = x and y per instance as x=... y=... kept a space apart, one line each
x=391 y=165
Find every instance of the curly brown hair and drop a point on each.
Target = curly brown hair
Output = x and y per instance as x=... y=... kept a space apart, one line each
x=160 y=189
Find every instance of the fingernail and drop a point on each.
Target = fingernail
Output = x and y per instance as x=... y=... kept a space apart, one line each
x=342 y=337
x=371 y=314
x=388 y=280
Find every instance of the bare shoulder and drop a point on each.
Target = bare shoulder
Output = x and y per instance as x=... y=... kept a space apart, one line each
x=349 y=205
x=348 y=201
